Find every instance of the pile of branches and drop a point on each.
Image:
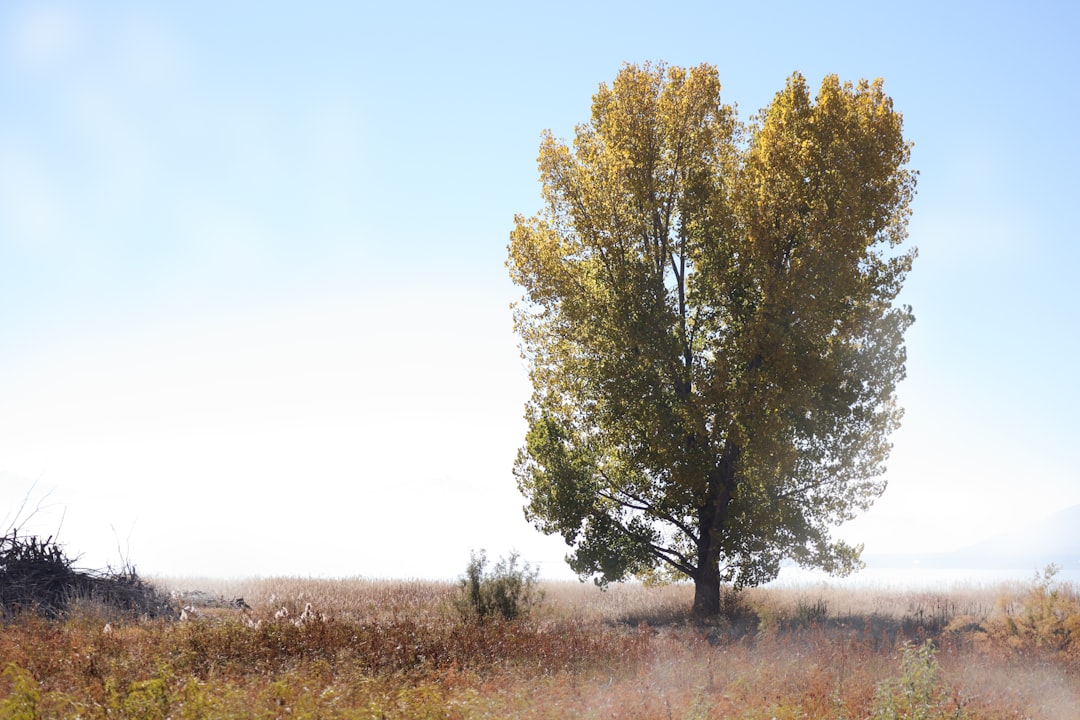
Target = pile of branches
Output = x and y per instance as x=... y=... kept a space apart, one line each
x=37 y=576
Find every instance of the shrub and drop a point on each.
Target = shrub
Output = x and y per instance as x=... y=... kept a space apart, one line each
x=811 y=612
x=508 y=591
x=22 y=701
x=919 y=693
x=1047 y=611
x=1047 y=616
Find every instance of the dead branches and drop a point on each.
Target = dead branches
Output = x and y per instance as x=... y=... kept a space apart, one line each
x=37 y=576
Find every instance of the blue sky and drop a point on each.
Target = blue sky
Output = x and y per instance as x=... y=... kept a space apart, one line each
x=253 y=307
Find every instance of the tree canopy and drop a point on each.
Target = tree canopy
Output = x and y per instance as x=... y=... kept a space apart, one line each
x=711 y=327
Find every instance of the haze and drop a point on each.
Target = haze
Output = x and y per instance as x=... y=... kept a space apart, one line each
x=253 y=305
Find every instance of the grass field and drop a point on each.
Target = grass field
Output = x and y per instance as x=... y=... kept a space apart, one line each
x=399 y=649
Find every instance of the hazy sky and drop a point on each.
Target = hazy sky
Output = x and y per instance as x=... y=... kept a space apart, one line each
x=253 y=304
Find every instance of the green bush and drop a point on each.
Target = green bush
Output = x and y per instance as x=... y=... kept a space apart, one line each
x=23 y=699
x=507 y=591
x=919 y=693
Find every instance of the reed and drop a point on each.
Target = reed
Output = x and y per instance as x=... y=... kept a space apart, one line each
x=398 y=649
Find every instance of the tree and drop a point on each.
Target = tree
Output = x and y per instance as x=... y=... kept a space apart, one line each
x=710 y=325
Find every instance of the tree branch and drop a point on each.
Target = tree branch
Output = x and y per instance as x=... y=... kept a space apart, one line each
x=644 y=506
x=682 y=564
x=808 y=486
x=672 y=557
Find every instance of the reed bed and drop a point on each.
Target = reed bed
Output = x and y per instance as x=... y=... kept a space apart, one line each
x=398 y=649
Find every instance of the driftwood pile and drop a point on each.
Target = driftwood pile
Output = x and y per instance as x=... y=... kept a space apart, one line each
x=36 y=576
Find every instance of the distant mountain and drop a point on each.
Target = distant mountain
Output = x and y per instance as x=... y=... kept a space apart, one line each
x=1055 y=539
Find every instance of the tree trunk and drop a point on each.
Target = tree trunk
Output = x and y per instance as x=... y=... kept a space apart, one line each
x=707 y=590
x=711 y=521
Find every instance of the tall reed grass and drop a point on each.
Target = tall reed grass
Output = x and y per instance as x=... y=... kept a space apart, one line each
x=398 y=649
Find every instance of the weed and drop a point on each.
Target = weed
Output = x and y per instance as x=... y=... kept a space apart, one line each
x=393 y=650
x=1045 y=617
x=508 y=591
x=147 y=700
x=1049 y=613
x=919 y=693
x=811 y=613
x=24 y=697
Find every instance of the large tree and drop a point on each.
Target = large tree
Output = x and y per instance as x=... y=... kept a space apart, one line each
x=710 y=323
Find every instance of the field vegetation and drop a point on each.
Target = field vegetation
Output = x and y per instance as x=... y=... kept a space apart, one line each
x=414 y=649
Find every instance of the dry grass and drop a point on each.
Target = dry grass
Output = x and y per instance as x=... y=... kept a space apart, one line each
x=390 y=649
x=354 y=599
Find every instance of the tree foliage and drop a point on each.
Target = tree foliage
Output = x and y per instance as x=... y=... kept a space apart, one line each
x=710 y=326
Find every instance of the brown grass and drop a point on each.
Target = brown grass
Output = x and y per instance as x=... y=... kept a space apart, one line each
x=390 y=649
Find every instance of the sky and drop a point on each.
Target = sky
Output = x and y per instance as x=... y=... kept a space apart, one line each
x=254 y=310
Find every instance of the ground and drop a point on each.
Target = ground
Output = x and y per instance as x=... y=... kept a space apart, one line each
x=390 y=649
